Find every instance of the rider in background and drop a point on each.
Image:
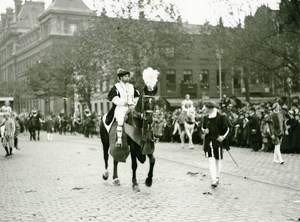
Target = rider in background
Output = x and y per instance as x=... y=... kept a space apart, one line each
x=123 y=95
x=6 y=107
x=187 y=104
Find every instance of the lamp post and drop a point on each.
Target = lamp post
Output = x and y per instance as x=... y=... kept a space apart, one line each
x=219 y=53
x=290 y=84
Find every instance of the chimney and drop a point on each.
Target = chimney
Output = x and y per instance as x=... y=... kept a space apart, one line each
x=3 y=20
x=9 y=16
x=18 y=5
x=141 y=15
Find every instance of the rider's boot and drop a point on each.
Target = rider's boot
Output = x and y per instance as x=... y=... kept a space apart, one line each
x=119 y=136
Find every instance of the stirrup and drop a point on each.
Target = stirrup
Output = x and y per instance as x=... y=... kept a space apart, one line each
x=118 y=144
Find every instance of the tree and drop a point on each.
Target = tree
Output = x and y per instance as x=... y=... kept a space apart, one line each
x=267 y=45
x=128 y=42
x=52 y=76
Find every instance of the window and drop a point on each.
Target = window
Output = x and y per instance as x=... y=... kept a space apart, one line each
x=101 y=108
x=73 y=28
x=188 y=76
x=237 y=79
x=96 y=107
x=187 y=49
x=204 y=78
x=171 y=80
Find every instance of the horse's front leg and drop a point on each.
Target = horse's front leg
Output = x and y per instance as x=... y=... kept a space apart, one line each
x=106 y=157
x=182 y=137
x=38 y=134
x=148 y=181
x=115 y=175
x=189 y=133
x=135 y=185
x=34 y=134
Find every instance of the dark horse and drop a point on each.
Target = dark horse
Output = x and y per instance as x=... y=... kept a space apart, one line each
x=34 y=127
x=137 y=139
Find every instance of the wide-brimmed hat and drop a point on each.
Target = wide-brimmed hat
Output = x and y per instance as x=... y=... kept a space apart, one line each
x=210 y=104
x=122 y=72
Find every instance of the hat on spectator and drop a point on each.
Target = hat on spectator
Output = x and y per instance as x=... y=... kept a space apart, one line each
x=210 y=104
x=252 y=109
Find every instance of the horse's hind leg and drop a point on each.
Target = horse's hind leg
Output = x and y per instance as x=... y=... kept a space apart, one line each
x=135 y=185
x=148 y=181
x=115 y=175
x=105 y=144
x=182 y=138
x=189 y=133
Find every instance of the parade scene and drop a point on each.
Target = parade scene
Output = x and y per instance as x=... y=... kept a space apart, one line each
x=145 y=110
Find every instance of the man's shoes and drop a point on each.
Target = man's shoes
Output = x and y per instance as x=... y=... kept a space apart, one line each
x=214 y=184
x=282 y=162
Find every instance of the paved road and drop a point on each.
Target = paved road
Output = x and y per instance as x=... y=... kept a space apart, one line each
x=61 y=181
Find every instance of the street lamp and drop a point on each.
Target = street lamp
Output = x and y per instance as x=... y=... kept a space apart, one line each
x=290 y=84
x=219 y=53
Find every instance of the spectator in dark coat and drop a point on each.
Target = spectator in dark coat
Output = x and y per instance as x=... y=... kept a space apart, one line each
x=254 y=130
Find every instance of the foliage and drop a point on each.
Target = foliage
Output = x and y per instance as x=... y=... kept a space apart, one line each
x=267 y=47
x=52 y=76
x=124 y=42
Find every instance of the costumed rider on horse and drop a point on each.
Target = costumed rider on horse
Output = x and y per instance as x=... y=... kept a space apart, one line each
x=124 y=96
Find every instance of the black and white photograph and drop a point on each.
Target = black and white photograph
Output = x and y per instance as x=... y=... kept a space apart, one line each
x=150 y=110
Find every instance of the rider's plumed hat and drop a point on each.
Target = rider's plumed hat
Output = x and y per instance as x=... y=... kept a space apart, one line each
x=122 y=72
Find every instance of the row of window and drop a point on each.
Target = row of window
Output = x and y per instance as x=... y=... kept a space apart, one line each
x=187 y=78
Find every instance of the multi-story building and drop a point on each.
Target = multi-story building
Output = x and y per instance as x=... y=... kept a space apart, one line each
x=26 y=34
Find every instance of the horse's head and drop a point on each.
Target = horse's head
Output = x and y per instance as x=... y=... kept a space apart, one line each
x=190 y=115
x=148 y=108
x=146 y=104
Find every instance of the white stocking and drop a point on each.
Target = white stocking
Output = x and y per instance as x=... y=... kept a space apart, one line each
x=212 y=168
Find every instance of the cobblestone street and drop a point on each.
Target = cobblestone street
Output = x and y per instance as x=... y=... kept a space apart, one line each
x=62 y=181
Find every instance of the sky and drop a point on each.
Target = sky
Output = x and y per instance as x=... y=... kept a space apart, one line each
x=195 y=11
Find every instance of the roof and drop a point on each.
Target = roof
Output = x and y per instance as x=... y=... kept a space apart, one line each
x=69 y=5
x=29 y=13
x=197 y=29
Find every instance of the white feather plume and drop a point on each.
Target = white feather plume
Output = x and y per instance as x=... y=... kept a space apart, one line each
x=150 y=77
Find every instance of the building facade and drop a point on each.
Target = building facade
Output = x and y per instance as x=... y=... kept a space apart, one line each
x=27 y=33
x=30 y=30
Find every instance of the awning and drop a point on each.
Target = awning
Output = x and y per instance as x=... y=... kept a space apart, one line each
x=176 y=102
x=7 y=98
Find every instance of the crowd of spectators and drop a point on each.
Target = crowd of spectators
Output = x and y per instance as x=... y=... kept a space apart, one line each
x=249 y=124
